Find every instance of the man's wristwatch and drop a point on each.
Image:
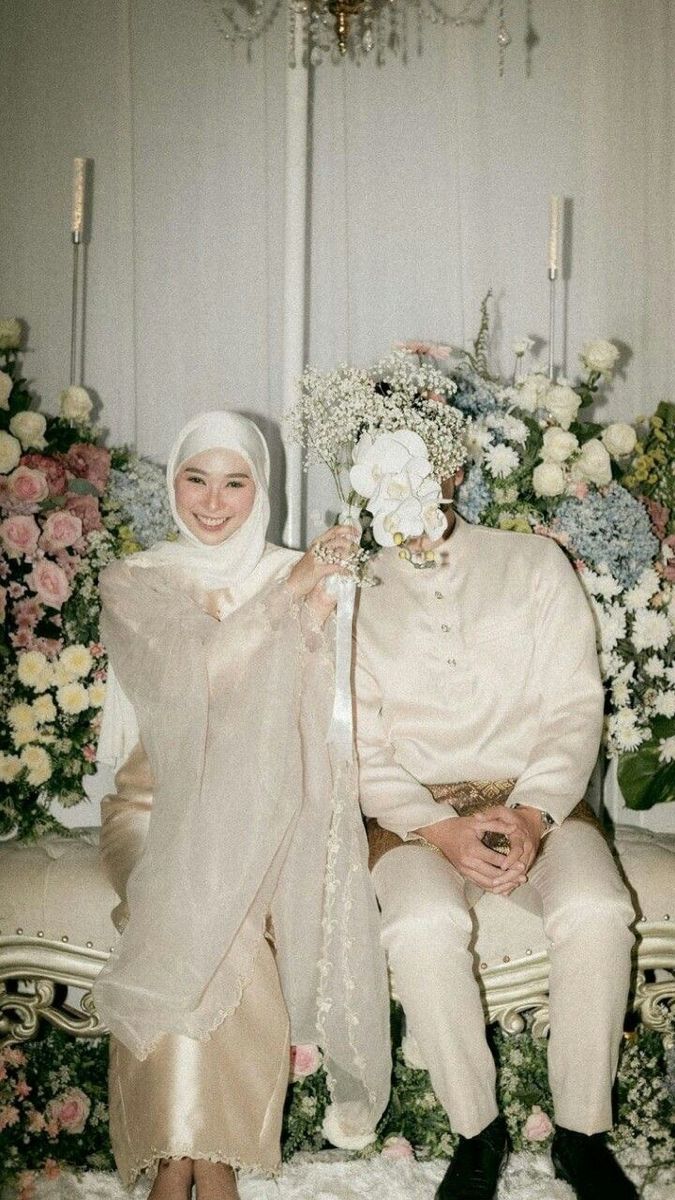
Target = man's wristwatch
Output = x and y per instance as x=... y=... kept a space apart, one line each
x=547 y=822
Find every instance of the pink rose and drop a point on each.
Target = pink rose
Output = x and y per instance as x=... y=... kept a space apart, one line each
x=397 y=1147
x=305 y=1060
x=19 y=535
x=86 y=508
x=52 y=1169
x=26 y=486
x=26 y=1185
x=9 y=1115
x=89 y=462
x=70 y=1110
x=52 y=469
x=60 y=529
x=49 y=582
x=537 y=1126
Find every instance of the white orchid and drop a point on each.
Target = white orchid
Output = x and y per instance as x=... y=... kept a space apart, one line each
x=390 y=454
x=396 y=519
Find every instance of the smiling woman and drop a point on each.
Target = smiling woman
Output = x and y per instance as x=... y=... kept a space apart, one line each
x=214 y=494
x=216 y=717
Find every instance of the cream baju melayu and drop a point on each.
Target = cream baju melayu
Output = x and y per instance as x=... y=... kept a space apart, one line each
x=485 y=669
x=230 y=830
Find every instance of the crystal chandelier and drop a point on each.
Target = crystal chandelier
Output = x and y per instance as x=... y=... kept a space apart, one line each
x=329 y=29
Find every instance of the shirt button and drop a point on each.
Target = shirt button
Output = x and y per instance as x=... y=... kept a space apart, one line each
x=445 y=628
x=452 y=662
x=438 y=595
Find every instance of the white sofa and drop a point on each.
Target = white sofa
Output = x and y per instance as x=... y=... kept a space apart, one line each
x=56 y=933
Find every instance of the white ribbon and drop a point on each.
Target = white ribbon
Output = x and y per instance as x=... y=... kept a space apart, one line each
x=341 y=732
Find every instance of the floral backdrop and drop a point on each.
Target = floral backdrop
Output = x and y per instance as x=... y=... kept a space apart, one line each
x=537 y=463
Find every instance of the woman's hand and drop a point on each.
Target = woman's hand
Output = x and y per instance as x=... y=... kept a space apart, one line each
x=307 y=577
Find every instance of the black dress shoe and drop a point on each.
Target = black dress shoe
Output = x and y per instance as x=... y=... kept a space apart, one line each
x=474 y=1170
x=588 y=1165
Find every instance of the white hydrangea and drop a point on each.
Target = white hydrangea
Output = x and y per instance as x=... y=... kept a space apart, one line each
x=29 y=427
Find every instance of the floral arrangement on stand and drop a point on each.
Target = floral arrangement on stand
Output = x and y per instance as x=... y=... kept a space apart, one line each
x=68 y=506
x=54 y=1117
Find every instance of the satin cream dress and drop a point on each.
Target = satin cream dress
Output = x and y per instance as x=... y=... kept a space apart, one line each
x=221 y=1098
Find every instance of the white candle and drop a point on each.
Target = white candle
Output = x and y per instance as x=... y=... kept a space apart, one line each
x=555 y=210
x=79 y=198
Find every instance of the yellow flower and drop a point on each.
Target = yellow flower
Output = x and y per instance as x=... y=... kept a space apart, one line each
x=20 y=716
x=27 y=733
x=97 y=695
x=76 y=660
x=514 y=523
x=72 y=698
x=10 y=765
x=38 y=764
x=43 y=708
x=33 y=670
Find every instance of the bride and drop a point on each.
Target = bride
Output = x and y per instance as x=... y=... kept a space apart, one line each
x=234 y=843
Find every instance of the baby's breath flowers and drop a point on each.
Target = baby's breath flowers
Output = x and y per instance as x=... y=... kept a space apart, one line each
x=390 y=435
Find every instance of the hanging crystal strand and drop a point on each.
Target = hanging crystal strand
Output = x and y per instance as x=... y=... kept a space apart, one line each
x=292 y=23
x=367 y=41
x=503 y=38
x=403 y=26
x=314 y=34
x=393 y=26
x=380 y=40
x=418 y=13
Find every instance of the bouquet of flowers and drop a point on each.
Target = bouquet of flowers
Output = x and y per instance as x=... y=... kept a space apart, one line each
x=389 y=437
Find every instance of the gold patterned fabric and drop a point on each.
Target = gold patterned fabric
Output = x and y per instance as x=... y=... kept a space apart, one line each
x=221 y=1098
x=466 y=798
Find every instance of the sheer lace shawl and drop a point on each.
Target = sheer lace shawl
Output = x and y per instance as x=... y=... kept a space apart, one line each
x=249 y=818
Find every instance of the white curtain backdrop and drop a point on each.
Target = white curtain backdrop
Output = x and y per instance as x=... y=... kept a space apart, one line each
x=430 y=181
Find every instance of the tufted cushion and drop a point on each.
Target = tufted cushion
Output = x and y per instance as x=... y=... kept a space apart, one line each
x=54 y=889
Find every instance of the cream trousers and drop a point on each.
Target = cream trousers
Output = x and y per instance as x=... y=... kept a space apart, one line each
x=587 y=914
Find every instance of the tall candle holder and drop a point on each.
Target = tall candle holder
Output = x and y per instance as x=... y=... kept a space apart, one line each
x=552 y=277
x=77 y=232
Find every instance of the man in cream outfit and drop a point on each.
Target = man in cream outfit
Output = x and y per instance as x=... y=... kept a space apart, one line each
x=484 y=669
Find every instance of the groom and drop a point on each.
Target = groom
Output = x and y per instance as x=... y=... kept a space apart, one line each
x=477 y=684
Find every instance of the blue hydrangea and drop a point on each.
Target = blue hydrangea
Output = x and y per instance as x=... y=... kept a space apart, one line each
x=475 y=396
x=473 y=496
x=609 y=530
x=139 y=493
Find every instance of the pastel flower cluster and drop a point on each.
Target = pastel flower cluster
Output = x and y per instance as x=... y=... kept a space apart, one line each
x=137 y=503
x=53 y=542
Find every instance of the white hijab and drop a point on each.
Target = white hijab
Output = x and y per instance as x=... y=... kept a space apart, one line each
x=239 y=567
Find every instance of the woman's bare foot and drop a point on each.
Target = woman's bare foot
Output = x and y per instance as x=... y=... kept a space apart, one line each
x=215 y=1181
x=173 y=1181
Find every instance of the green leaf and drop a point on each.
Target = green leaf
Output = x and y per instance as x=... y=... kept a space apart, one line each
x=82 y=487
x=644 y=781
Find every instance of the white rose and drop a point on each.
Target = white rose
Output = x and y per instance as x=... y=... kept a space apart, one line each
x=593 y=464
x=533 y=391
x=548 y=479
x=6 y=385
x=75 y=405
x=599 y=356
x=558 y=445
x=29 y=427
x=10 y=334
x=563 y=403
x=10 y=452
x=619 y=439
